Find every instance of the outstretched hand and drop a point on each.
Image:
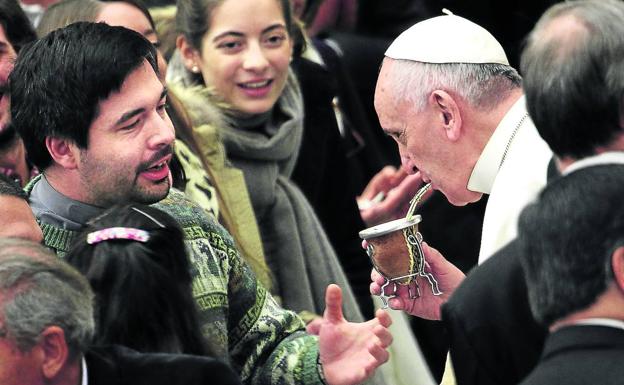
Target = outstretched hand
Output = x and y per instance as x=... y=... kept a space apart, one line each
x=397 y=189
x=350 y=352
x=427 y=305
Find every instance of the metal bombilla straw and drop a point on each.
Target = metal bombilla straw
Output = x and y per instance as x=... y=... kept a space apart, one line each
x=416 y=200
x=410 y=213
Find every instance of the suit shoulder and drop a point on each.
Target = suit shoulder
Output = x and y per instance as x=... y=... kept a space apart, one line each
x=495 y=280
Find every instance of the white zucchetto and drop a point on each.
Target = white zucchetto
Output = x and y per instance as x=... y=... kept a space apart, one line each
x=447 y=39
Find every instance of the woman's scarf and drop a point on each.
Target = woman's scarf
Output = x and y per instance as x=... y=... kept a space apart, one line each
x=296 y=247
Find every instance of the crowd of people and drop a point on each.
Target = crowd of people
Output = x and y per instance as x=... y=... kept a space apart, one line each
x=182 y=186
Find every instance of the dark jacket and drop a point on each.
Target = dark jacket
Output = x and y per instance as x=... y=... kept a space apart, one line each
x=117 y=365
x=493 y=336
x=580 y=355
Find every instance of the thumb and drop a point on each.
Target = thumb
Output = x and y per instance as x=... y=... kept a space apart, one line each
x=333 y=304
x=433 y=257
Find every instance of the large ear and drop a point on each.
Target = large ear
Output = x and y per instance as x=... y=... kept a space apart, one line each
x=55 y=351
x=447 y=111
x=617 y=264
x=190 y=56
x=63 y=152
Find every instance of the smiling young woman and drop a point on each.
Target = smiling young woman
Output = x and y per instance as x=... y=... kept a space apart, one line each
x=239 y=52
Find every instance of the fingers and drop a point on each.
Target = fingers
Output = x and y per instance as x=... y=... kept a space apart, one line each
x=397 y=303
x=382 y=181
x=384 y=318
x=333 y=304
x=377 y=281
x=380 y=354
x=447 y=274
x=398 y=197
x=376 y=277
x=409 y=185
x=374 y=289
x=436 y=261
x=314 y=327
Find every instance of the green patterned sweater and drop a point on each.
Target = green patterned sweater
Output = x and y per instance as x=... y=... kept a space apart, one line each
x=263 y=342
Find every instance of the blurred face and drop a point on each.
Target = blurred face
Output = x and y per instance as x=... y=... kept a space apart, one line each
x=130 y=145
x=7 y=60
x=246 y=53
x=422 y=142
x=13 y=161
x=12 y=154
x=121 y=14
x=18 y=220
x=297 y=7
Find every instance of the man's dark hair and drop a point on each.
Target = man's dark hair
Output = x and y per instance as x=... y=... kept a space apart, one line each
x=567 y=239
x=59 y=81
x=573 y=77
x=11 y=188
x=16 y=25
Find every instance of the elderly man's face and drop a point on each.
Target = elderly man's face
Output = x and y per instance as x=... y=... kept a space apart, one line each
x=18 y=221
x=422 y=141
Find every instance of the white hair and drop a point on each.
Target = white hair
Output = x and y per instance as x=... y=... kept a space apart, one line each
x=481 y=85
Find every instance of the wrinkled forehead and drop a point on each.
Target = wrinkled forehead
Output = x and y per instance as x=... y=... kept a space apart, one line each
x=389 y=73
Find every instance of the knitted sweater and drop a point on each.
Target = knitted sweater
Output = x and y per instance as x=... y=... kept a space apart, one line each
x=263 y=342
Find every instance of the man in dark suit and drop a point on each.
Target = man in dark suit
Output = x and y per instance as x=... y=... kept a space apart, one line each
x=572 y=246
x=46 y=324
x=494 y=337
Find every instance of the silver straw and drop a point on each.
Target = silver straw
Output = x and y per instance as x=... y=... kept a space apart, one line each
x=414 y=202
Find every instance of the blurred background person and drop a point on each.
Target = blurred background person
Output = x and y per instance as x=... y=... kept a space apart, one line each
x=572 y=242
x=15 y=32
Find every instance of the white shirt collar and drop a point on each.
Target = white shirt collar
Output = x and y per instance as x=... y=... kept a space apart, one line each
x=609 y=322
x=489 y=162
x=613 y=157
x=85 y=374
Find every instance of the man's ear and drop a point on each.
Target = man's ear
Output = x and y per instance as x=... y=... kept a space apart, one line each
x=190 y=56
x=617 y=264
x=447 y=111
x=55 y=351
x=62 y=152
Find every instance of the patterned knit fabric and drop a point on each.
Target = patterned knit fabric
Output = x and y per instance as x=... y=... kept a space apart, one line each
x=263 y=342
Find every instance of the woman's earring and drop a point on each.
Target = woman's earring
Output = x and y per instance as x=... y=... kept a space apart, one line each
x=195 y=69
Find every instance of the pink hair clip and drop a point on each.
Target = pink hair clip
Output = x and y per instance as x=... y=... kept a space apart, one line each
x=128 y=233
